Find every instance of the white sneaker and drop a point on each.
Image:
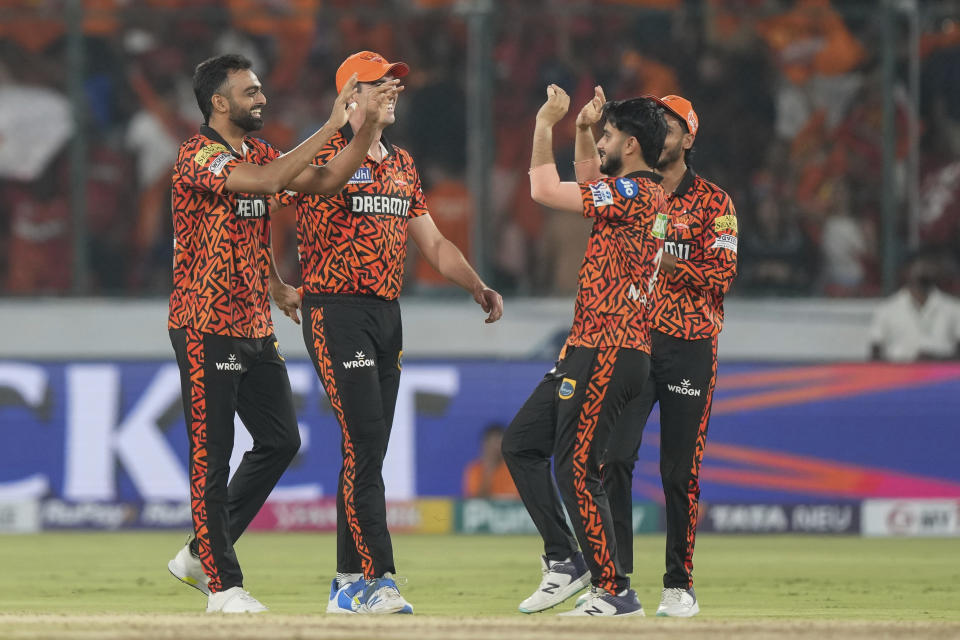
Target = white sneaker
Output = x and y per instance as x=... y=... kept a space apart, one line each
x=382 y=596
x=561 y=579
x=601 y=603
x=678 y=603
x=187 y=568
x=233 y=600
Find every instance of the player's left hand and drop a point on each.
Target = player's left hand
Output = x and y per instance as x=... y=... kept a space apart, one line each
x=556 y=106
x=490 y=301
x=288 y=299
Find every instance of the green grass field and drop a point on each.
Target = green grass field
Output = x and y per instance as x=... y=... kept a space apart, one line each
x=101 y=585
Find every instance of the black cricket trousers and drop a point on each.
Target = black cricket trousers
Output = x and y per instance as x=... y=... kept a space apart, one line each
x=683 y=374
x=569 y=416
x=356 y=343
x=221 y=376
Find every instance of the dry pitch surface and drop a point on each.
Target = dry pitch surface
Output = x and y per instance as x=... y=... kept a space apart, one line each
x=97 y=585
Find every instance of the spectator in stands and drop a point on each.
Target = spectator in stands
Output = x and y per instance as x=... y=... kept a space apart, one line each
x=487 y=476
x=918 y=322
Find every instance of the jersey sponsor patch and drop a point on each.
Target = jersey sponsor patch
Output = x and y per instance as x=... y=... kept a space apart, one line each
x=361 y=176
x=204 y=155
x=567 y=387
x=725 y=223
x=725 y=241
x=251 y=207
x=216 y=167
x=380 y=205
x=627 y=187
x=601 y=193
x=660 y=226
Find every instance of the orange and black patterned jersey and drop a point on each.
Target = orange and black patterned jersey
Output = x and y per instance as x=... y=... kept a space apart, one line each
x=356 y=241
x=702 y=233
x=221 y=255
x=620 y=263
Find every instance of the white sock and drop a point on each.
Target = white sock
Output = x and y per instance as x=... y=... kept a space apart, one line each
x=344 y=579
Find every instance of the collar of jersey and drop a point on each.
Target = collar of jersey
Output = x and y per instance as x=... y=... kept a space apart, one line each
x=210 y=132
x=649 y=175
x=347 y=132
x=686 y=183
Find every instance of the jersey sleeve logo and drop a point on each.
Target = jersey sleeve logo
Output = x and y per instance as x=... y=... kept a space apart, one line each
x=725 y=241
x=725 y=223
x=660 y=226
x=216 y=167
x=204 y=155
x=567 y=387
x=601 y=193
x=627 y=187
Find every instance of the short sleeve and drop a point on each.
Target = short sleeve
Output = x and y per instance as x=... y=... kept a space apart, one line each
x=418 y=204
x=619 y=199
x=206 y=166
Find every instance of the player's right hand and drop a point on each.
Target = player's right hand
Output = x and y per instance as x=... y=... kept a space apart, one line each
x=591 y=112
x=345 y=104
x=556 y=106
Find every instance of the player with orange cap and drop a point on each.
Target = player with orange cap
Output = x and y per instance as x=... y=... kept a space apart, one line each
x=352 y=247
x=697 y=269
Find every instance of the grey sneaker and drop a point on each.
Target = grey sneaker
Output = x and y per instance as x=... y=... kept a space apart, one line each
x=678 y=603
x=561 y=579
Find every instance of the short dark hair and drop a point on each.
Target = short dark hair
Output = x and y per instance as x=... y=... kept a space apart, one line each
x=641 y=118
x=210 y=75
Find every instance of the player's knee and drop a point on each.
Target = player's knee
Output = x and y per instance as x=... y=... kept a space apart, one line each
x=289 y=445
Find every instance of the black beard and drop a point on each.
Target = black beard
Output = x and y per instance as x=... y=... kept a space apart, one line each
x=667 y=158
x=610 y=165
x=247 y=122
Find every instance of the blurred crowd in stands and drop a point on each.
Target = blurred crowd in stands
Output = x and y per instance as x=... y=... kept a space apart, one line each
x=789 y=94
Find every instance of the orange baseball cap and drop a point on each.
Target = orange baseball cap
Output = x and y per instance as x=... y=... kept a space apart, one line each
x=369 y=66
x=681 y=108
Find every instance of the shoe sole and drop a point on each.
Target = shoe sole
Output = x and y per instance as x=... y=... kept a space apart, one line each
x=571 y=589
x=694 y=610
x=571 y=614
x=339 y=611
x=187 y=580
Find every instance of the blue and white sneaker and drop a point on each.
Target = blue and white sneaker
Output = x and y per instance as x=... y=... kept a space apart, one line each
x=346 y=599
x=678 y=602
x=382 y=596
x=561 y=579
x=600 y=603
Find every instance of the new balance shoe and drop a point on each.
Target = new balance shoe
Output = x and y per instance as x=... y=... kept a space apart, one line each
x=678 y=603
x=601 y=603
x=186 y=568
x=382 y=596
x=346 y=598
x=233 y=600
x=561 y=579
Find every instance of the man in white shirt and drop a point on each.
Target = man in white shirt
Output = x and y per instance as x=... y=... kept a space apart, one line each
x=918 y=322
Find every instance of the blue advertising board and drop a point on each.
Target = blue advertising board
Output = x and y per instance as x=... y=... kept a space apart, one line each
x=114 y=431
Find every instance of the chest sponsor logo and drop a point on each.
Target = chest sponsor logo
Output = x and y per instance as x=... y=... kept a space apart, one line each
x=725 y=223
x=602 y=196
x=684 y=389
x=251 y=207
x=380 y=205
x=725 y=241
x=360 y=360
x=363 y=175
x=567 y=387
x=660 y=226
x=679 y=249
x=216 y=167
x=627 y=187
x=231 y=364
x=204 y=155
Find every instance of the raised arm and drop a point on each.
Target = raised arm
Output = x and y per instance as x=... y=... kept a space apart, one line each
x=330 y=178
x=274 y=176
x=545 y=185
x=586 y=160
